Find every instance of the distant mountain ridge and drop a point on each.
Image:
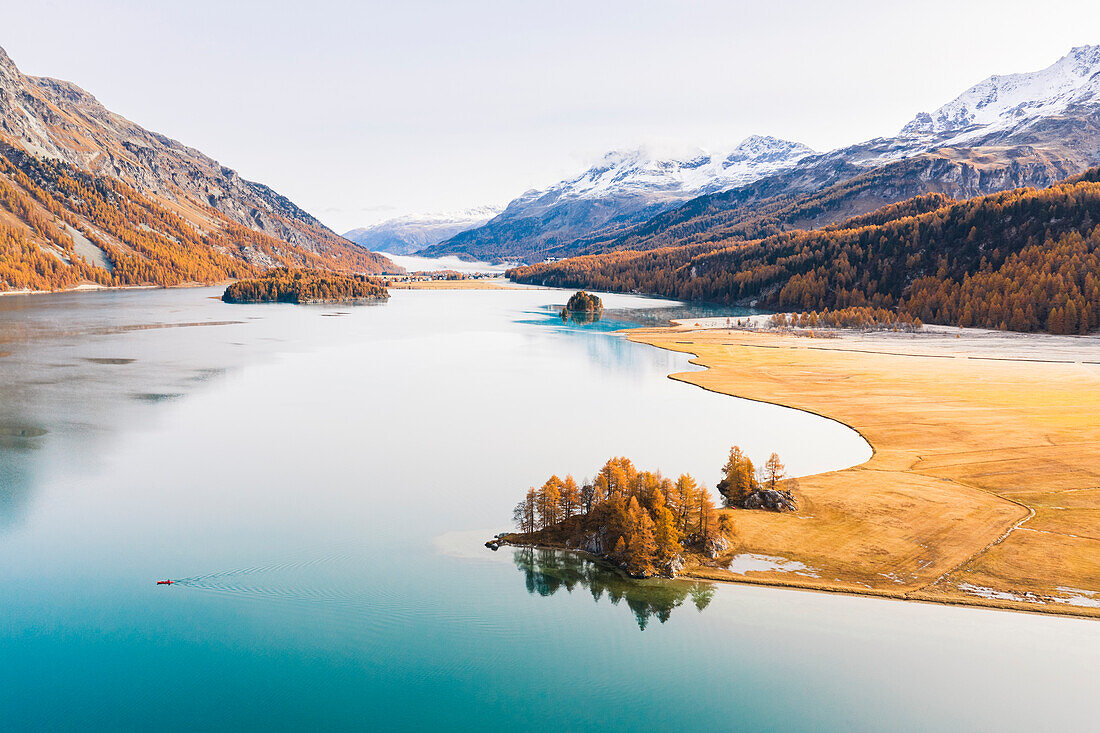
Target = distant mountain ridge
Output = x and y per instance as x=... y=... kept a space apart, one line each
x=1030 y=129
x=55 y=136
x=408 y=234
x=638 y=172
x=624 y=188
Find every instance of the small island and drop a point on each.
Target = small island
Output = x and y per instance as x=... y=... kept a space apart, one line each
x=583 y=308
x=642 y=522
x=284 y=285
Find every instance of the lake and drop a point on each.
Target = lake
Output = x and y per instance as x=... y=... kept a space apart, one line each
x=321 y=480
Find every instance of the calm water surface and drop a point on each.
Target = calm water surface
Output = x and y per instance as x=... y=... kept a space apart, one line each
x=322 y=478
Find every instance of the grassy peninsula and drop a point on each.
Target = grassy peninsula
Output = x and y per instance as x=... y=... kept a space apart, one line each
x=305 y=286
x=984 y=487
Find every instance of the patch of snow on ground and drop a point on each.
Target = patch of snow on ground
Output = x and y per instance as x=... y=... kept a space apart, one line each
x=1084 y=598
x=752 y=563
x=998 y=595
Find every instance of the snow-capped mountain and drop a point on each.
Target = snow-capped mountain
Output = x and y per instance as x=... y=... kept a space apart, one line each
x=1004 y=102
x=624 y=188
x=640 y=172
x=408 y=234
x=1021 y=130
x=1027 y=129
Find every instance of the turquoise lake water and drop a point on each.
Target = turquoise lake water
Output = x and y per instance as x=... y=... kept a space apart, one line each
x=321 y=479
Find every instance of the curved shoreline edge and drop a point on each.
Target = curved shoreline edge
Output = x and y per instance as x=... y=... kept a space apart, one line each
x=947 y=562
x=96 y=288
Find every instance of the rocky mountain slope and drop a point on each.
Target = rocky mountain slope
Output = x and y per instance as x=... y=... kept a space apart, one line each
x=623 y=189
x=408 y=234
x=1030 y=129
x=58 y=142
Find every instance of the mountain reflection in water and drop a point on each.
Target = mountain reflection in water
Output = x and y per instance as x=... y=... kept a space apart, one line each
x=548 y=571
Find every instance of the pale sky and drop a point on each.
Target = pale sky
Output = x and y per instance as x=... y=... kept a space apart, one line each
x=362 y=110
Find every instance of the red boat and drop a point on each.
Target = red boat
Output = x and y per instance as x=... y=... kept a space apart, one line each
x=165 y=582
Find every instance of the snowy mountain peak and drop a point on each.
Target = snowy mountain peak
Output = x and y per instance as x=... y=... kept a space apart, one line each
x=473 y=214
x=642 y=170
x=765 y=148
x=410 y=233
x=1003 y=101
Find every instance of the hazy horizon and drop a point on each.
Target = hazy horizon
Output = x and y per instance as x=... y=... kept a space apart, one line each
x=360 y=112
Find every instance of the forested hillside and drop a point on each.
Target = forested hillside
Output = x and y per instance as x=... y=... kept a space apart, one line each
x=87 y=196
x=1025 y=260
x=60 y=226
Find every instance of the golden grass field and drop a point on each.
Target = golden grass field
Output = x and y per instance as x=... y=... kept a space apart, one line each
x=984 y=487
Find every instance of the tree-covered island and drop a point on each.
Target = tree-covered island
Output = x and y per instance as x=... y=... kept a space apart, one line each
x=283 y=285
x=582 y=307
x=641 y=521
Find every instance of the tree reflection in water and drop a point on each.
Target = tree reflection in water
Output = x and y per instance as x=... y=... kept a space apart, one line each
x=548 y=571
x=579 y=317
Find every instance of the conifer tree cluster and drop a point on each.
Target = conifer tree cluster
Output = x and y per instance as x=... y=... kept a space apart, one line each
x=585 y=302
x=640 y=520
x=582 y=308
x=863 y=318
x=304 y=286
x=742 y=484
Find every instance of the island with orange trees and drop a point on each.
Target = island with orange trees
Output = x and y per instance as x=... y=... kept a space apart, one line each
x=284 y=285
x=643 y=522
x=583 y=308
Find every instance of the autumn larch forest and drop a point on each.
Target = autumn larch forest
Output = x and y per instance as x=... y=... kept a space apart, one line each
x=285 y=285
x=1021 y=260
x=47 y=207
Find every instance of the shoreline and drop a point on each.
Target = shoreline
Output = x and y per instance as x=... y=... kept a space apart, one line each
x=977 y=603
x=945 y=562
x=96 y=288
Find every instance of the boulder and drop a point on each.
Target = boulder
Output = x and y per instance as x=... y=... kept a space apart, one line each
x=592 y=542
x=715 y=545
x=771 y=499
